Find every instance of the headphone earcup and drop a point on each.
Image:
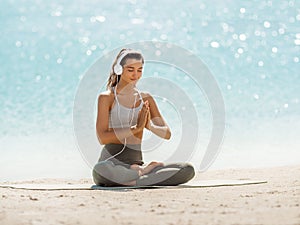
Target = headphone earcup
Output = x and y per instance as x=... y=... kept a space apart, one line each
x=118 y=69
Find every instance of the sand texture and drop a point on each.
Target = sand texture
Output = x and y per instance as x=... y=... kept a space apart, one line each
x=275 y=202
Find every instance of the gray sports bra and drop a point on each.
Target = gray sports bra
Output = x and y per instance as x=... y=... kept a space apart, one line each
x=121 y=116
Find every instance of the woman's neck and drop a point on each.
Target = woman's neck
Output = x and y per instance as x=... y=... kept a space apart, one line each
x=125 y=88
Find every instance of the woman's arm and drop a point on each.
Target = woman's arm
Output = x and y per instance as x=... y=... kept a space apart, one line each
x=117 y=135
x=156 y=123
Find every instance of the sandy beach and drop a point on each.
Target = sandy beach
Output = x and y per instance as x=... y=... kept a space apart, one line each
x=276 y=202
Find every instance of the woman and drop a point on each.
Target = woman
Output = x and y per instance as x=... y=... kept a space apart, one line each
x=123 y=114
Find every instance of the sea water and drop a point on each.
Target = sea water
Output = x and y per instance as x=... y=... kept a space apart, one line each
x=250 y=47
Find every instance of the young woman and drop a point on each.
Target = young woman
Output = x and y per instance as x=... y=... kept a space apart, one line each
x=123 y=114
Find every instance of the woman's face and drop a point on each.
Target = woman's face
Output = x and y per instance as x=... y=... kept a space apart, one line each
x=132 y=71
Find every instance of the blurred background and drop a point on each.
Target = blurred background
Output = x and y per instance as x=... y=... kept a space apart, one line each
x=251 y=47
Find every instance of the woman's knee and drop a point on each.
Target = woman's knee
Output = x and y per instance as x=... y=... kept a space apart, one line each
x=187 y=172
x=101 y=173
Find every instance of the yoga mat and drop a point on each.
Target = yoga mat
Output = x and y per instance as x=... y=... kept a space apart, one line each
x=191 y=184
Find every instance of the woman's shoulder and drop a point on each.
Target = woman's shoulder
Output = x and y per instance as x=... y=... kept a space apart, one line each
x=106 y=93
x=106 y=96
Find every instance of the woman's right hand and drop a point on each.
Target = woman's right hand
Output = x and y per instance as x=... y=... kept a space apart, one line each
x=143 y=116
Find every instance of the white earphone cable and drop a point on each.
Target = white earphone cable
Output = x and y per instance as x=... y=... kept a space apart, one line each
x=130 y=123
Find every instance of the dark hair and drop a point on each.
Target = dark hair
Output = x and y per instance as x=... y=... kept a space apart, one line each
x=114 y=79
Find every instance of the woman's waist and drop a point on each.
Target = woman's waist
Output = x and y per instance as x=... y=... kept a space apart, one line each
x=119 y=146
x=120 y=154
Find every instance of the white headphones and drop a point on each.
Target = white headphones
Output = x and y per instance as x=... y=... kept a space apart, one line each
x=118 y=68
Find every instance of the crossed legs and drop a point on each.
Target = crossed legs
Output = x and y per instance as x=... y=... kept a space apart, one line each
x=106 y=173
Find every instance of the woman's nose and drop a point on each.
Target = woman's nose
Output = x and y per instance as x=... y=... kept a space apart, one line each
x=135 y=73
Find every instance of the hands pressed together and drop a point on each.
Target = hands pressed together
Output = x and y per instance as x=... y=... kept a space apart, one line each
x=144 y=117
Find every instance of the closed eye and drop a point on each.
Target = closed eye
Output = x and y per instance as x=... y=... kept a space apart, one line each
x=131 y=69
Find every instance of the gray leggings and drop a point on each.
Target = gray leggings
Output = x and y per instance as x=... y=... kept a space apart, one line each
x=106 y=173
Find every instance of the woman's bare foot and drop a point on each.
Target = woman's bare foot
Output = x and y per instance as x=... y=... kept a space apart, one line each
x=147 y=169
x=137 y=168
x=142 y=170
x=150 y=167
